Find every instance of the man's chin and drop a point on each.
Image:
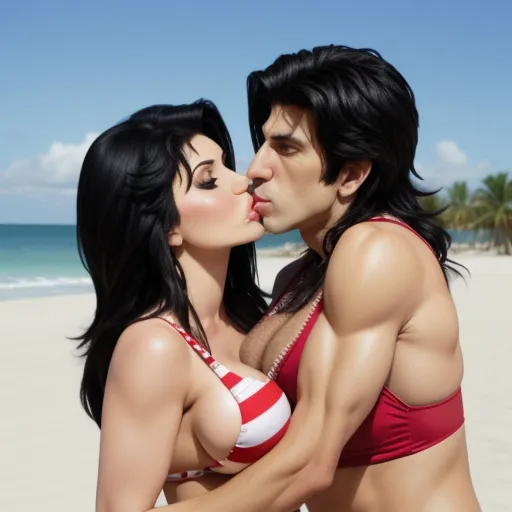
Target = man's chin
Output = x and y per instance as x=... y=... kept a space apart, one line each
x=274 y=227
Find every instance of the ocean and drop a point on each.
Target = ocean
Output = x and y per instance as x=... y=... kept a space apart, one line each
x=42 y=260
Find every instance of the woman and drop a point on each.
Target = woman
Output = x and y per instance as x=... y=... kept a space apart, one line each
x=166 y=231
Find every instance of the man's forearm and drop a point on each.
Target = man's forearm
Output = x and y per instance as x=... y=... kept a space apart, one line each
x=288 y=475
x=249 y=495
x=279 y=482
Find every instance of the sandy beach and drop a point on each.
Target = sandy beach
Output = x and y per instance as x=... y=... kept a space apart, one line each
x=49 y=448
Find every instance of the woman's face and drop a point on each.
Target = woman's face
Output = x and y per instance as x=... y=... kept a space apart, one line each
x=216 y=211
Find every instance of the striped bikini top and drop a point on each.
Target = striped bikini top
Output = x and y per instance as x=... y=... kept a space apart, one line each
x=264 y=409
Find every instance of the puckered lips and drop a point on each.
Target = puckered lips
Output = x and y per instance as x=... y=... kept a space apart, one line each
x=260 y=205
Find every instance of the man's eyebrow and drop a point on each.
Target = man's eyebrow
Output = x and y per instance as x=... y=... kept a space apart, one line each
x=286 y=137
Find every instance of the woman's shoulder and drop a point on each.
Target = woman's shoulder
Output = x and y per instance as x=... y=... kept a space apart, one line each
x=150 y=357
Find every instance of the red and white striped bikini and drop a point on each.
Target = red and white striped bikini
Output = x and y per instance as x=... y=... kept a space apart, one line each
x=264 y=409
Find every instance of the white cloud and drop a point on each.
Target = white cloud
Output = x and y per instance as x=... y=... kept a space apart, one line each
x=59 y=168
x=452 y=164
x=62 y=163
x=449 y=152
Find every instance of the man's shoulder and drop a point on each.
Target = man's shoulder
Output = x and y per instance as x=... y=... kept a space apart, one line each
x=367 y=243
x=371 y=268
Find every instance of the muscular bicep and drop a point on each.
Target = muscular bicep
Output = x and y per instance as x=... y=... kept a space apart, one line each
x=349 y=354
x=142 y=411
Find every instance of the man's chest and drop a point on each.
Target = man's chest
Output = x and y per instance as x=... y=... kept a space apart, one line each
x=270 y=339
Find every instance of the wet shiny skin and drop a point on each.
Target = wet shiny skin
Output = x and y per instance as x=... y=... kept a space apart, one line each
x=427 y=368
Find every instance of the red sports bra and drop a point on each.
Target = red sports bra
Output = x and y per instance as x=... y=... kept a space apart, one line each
x=393 y=429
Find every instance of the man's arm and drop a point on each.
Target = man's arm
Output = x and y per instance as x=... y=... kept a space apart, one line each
x=369 y=294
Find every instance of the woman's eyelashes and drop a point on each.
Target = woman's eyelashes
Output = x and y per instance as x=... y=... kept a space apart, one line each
x=207 y=180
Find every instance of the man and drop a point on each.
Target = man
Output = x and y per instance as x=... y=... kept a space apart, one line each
x=364 y=335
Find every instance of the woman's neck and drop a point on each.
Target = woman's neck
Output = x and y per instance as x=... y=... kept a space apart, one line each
x=205 y=272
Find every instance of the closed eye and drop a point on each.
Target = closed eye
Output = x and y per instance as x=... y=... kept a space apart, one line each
x=207 y=181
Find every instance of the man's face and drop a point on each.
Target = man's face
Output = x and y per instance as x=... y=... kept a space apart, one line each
x=287 y=171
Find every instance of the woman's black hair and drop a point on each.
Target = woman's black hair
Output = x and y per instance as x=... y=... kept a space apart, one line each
x=363 y=110
x=125 y=211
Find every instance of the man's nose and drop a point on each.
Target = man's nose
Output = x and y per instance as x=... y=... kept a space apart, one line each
x=259 y=174
x=259 y=171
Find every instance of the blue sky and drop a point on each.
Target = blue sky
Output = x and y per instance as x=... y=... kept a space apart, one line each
x=70 y=70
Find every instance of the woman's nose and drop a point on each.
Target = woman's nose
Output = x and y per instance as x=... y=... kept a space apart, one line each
x=241 y=184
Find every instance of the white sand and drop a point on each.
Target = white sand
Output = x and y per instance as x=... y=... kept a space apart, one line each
x=48 y=447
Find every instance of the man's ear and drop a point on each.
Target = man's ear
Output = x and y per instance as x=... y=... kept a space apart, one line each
x=352 y=176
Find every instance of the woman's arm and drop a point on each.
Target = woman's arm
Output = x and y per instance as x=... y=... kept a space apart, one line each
x=146 y=391
x=143 y=406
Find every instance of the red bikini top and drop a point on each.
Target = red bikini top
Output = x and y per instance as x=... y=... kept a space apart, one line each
x=393 y=429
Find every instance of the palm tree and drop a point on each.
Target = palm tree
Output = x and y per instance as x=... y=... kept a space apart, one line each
x=460 y=214
x=493 y=209
x=434 y=203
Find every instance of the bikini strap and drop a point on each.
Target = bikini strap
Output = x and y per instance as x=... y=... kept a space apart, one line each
x=228 y=378
x=399 y=222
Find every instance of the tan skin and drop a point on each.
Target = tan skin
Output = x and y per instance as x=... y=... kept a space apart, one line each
x=165 y=411
x=415 y=366
x=375 y=330
x=382 y=290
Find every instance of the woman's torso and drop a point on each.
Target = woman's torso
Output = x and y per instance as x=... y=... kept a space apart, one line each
x=212 y=422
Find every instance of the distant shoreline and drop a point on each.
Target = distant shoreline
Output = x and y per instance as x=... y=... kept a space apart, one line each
x=292 y=250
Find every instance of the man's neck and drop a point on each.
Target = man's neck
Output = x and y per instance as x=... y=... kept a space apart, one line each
x=313 y=232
